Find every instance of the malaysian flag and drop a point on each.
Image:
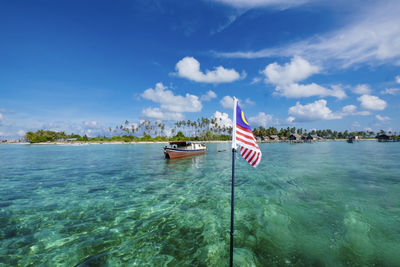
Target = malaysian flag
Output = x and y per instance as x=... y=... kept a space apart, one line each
x=243 y=136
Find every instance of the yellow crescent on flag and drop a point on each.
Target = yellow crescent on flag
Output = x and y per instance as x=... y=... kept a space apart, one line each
x=244 y=120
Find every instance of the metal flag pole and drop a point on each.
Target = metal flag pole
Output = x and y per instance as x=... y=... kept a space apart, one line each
x=232 y=204
x=233 y=179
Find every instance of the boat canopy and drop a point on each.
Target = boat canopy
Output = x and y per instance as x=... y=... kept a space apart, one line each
x=179 y=143
x=183 y=143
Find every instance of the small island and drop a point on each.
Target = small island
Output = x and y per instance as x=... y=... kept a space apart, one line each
x=202 y=129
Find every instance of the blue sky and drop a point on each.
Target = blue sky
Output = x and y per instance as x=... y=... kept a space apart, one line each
x=84 y=66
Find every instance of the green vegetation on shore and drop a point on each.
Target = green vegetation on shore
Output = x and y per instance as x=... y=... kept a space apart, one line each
x=202 y=129
x=326 y=134
x=207 y=134
x=42 y=136
x=45 y=136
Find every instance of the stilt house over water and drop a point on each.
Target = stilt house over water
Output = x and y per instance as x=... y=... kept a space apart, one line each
x=274 y=138
x=383 y=138
x=265 y=138
x=387 y=138
x=295 y=138
x=312 y=137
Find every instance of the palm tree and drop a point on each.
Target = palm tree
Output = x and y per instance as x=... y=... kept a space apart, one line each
x=162 y=129
x=133 y=129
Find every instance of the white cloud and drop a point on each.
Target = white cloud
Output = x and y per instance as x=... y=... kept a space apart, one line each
x=362 y=89
x=296 y=90
x=159 y=114
x=290 y=119
x=297 y=70
x=230 y=20
x=91 y=123
x=286 y=78
x=382 y=119
x=21 y=133
x=349 y=109
x=89 y=133
x=398 y=78
x=1 y=117
x=189 y=68
x=256 y=80
x=223 y=119
x=6 y=134
x=3 y=110
x=372 y=102
x=356 y=124
x=171 y=106
x=248 y=101
x=261 y=119
x=170 y=102
x=313 y=111
x=373 y=37
x=208 y=96
x=352 y=110
x=227 y=102
x=390 y=91
x=263 y=3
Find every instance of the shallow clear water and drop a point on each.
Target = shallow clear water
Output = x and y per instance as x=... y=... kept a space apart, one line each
x=323 y=204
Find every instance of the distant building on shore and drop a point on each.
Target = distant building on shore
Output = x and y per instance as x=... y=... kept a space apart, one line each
x=265 y=138
x=383 y=138
x=387 y=138
x=68 y=139
x=14 y=141
x=353 y=139
x=274 y=138
x=313 y=137
x=295 y=137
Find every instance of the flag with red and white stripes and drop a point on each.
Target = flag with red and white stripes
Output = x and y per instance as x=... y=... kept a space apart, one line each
x=243 y=136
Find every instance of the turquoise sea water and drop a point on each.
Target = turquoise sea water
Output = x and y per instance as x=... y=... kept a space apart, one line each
x=322 y=204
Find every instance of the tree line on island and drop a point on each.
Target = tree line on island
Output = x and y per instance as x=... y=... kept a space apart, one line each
x=202 y=129
x=156 y=128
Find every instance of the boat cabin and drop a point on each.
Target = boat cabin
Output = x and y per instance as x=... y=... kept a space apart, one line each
x=186 y=145
x=178 y=149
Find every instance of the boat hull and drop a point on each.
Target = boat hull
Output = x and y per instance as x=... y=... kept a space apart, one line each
x=174 y=153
